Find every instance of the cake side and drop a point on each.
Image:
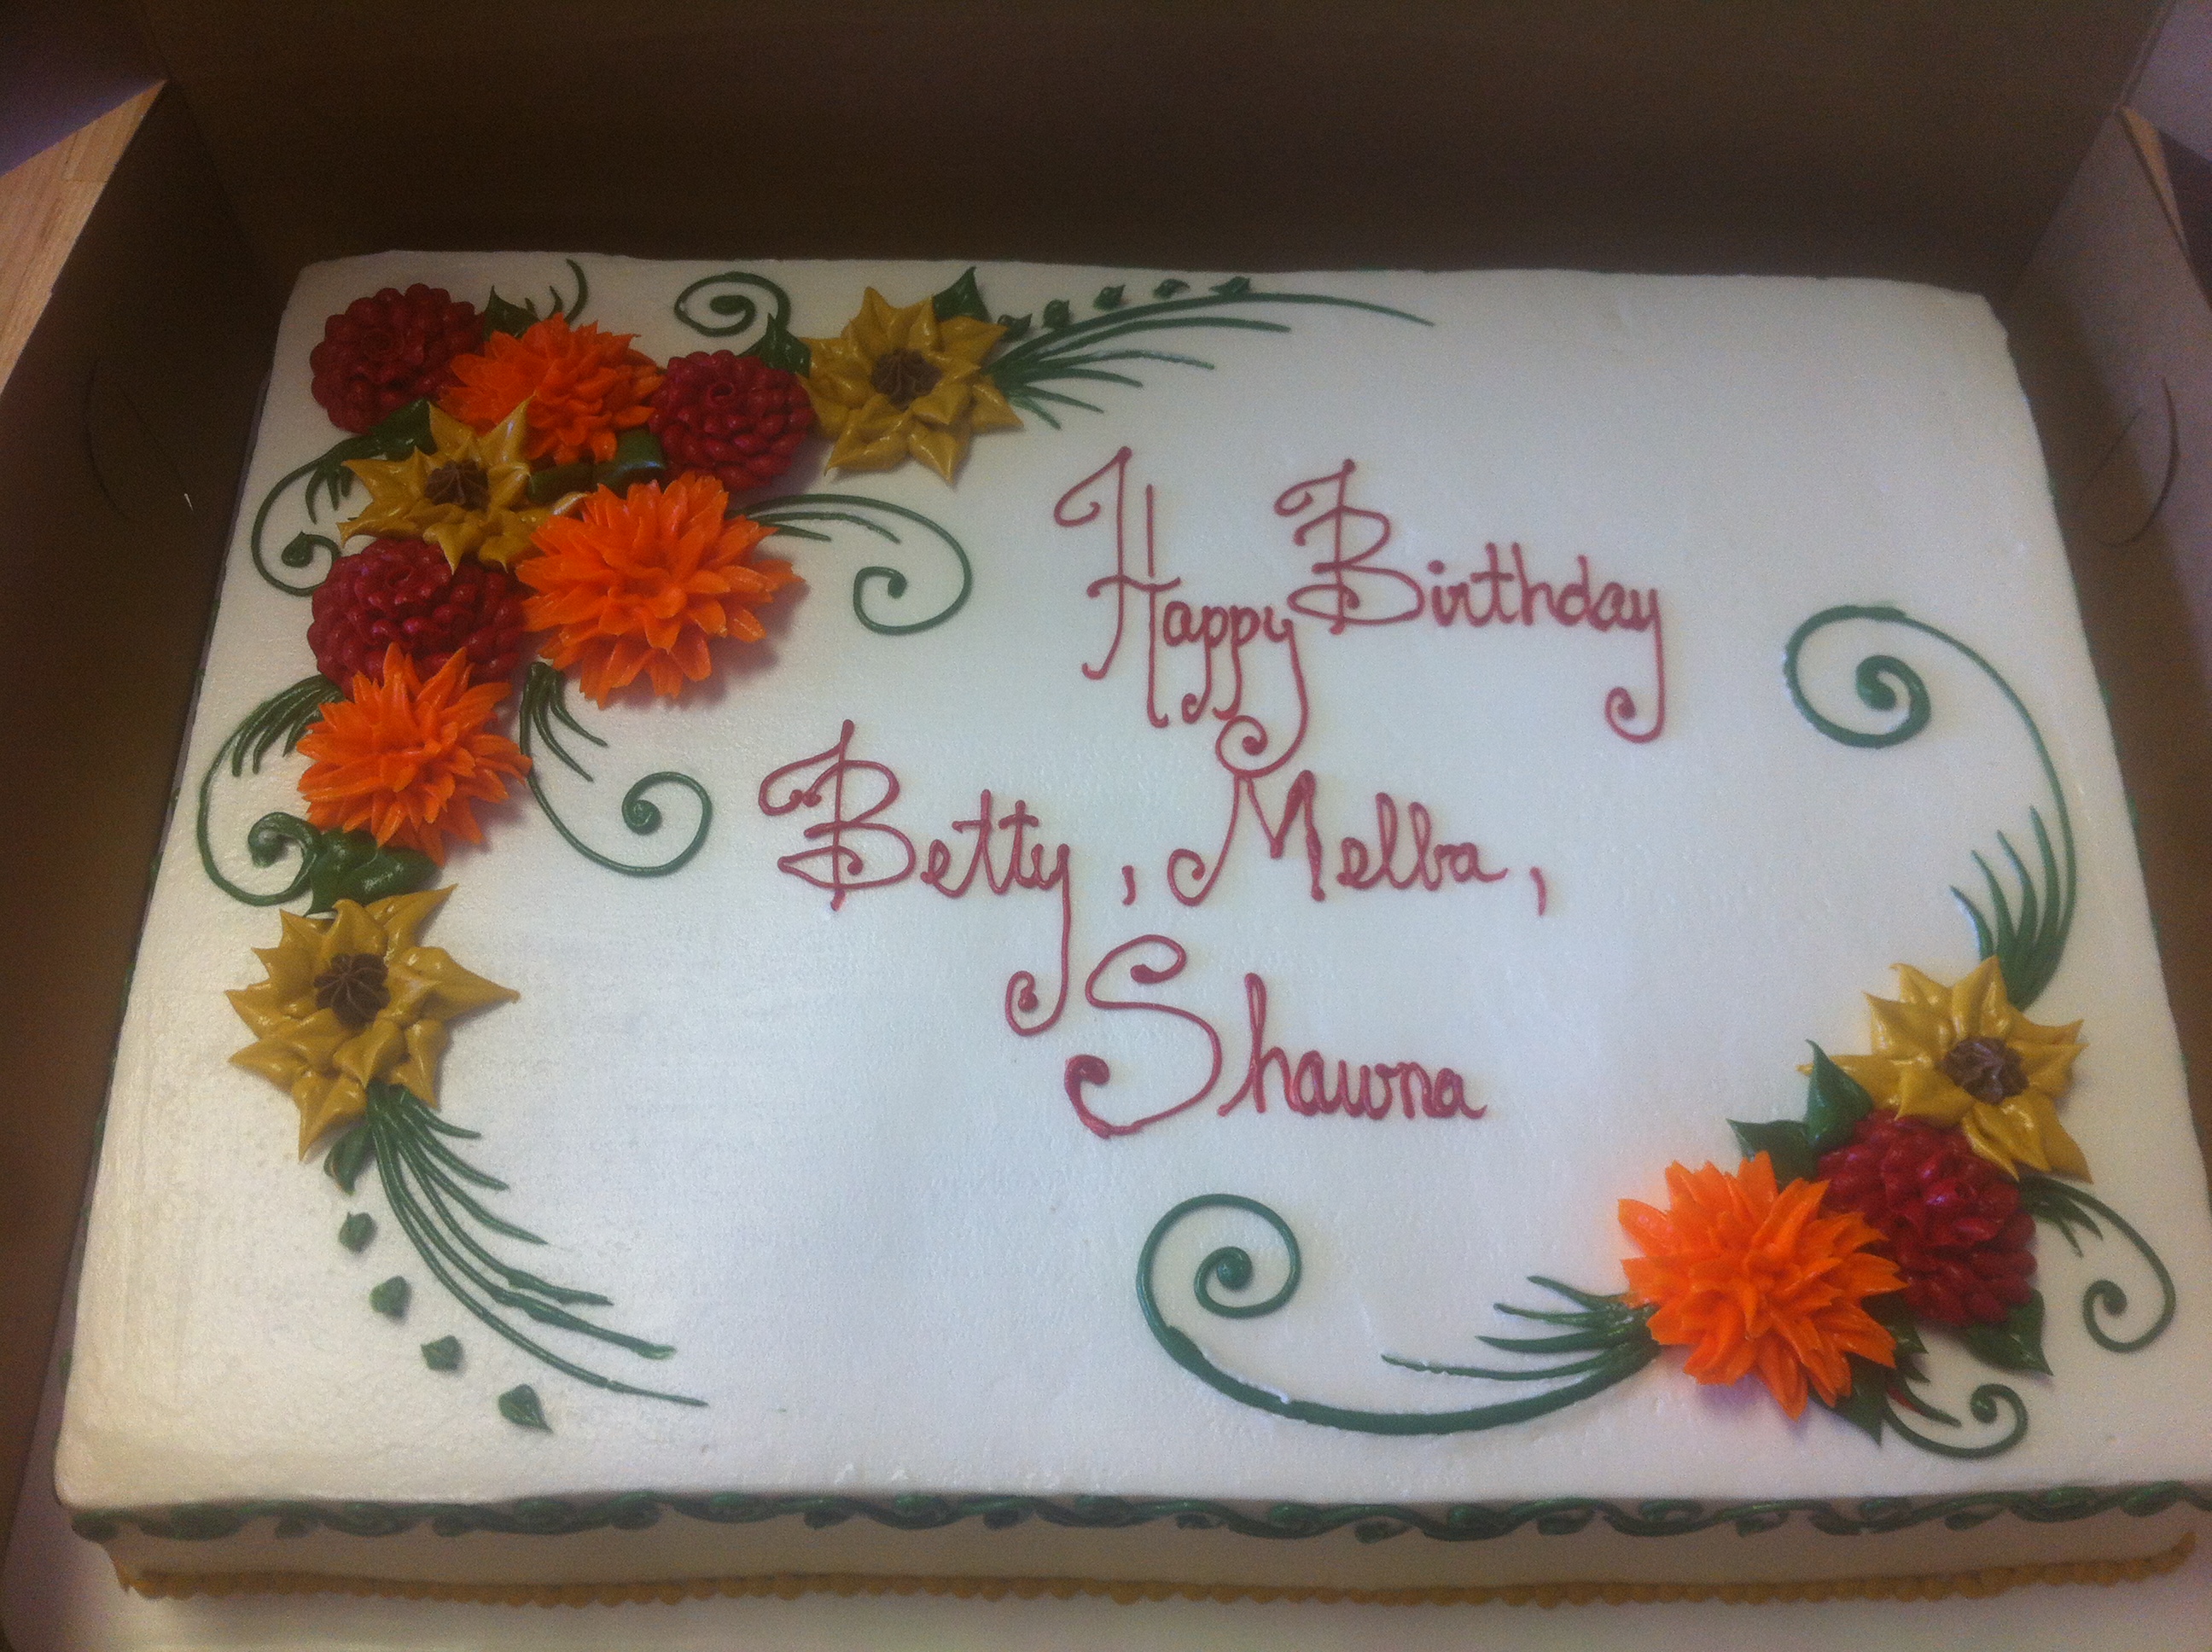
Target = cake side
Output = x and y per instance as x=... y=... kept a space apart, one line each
x=1611 y=879
x=1563 y=1542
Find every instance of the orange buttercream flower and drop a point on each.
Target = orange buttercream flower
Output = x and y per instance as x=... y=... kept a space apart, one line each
x=1752 y=1279
x=583 y=386
x=406 y=759
x=639 y=582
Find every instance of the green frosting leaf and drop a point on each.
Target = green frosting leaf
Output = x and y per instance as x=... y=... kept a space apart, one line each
x=443 y=1355
x=1017 y=326
x=558 y=481
x=1834 y=1103
x=1866 y=1407
x=779 y=347
x=390 y=1298
x=405 y=430
x=1058 y=314
x=518 y=1404
x=349 y=1156
x=1109 y=298
x=1784 y=1142
x=354 y=866
x=501 y=316
x=2014 y=1345
x=1170 y=288
x=638 y=457
x=1234 y=286
x=963 y=297
x=356 y=1230
x=1894 y=1317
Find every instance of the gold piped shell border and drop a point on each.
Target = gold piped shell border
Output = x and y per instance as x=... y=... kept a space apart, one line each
x=1938 y=1586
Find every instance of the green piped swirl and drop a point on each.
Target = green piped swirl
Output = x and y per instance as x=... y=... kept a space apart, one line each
x=544 y=713
x=2026 y=944
x=786 y=514
x=405 y=431
x=735 y=311
x=1615 y=1337
x=1371 y=1523
x=2068 y=1208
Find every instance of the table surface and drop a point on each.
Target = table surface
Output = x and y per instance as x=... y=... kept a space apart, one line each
x=44 y=204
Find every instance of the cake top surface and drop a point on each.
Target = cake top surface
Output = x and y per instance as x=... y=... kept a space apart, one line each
x=1401 y=681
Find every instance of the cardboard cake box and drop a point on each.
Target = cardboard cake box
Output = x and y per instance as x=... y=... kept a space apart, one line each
x=1973 y=147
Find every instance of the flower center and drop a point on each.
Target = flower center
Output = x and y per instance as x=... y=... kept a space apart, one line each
x=1987 y=1069
x=904 y=377
x=353 y=988
x=463 y=483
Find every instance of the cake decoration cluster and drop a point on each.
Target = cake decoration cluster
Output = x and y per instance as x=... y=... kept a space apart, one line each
x=1904 y=1198
x=543 y=498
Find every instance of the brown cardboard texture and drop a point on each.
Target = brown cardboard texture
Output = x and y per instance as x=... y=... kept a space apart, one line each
x=1879 y=137
x=121 y=432
x=2114 y=342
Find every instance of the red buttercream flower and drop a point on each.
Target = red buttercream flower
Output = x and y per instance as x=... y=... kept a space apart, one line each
x=381 y=352
x=734 y=415
x=1951 y=1220
x=403 y=591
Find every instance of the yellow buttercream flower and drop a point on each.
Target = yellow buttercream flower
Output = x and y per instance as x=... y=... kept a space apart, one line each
x=1962 y=1056
x=466 y=496
x=899 y=384
x=350 y=998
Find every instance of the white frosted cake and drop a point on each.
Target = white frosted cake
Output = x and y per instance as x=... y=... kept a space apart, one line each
x=1391 y=933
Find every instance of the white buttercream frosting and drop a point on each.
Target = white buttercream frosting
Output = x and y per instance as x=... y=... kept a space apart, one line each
x=803 y=1145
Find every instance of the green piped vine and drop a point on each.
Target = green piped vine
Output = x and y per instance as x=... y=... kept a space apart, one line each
x=332 y=866
x=545 y=714
x=2071 y=1210
x=1368 y=1522
x=2026 y=933
x=734 y=310
x=1601 y=1340
x=1068 y=351
x=2026 y=944
x=426 y=1187
x=789 y=515
x=1613 y=1335
x=404 y=432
